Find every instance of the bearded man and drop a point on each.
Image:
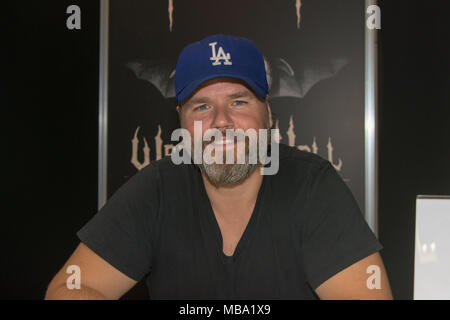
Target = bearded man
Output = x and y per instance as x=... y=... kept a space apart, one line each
x=228 y=230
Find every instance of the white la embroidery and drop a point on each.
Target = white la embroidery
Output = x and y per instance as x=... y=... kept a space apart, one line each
x=219 y=56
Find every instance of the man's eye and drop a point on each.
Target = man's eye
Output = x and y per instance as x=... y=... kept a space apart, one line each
x=239 y=103
x=202 y=107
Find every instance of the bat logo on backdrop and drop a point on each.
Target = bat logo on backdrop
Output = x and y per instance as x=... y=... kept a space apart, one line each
x=220 y=55
x=282 y=80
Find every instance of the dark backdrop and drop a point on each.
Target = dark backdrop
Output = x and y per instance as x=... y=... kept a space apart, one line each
x=51 y=130
x=51 y=137
x=414 y=135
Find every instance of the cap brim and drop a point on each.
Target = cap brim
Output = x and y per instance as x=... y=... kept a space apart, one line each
x=187 y=91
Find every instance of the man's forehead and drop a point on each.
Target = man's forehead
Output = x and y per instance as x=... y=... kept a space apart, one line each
x=226 y=87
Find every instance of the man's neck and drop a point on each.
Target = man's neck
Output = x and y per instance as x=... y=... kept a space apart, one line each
x=228 y=199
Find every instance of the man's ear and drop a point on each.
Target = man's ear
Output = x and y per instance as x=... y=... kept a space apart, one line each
x=269 y=113
x=179 y=112
x=178 y=108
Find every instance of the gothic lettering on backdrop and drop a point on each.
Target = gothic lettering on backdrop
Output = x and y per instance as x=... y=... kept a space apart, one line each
x=165 y=149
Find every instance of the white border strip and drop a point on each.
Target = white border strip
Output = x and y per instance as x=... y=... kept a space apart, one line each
x=371 y=107
x=103 y=103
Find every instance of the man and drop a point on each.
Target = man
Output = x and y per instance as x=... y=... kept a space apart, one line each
x=227 y=231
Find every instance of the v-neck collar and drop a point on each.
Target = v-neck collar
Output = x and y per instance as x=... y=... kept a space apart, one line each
x=213 y=228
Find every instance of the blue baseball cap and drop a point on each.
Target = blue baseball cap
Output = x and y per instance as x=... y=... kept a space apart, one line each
x=220 y=56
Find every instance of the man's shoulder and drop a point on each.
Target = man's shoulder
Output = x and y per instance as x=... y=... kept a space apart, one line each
x=298 y=168
x=295 y=158
x=165 y=169
x=164 y=164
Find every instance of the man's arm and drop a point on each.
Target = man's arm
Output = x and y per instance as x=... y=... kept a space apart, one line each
x=99 y=279
x=351 y=283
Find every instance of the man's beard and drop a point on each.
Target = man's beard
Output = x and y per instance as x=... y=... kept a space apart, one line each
x=220 y=174
x=227 y=173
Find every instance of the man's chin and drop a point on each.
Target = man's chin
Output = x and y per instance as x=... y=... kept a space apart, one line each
x=228 y=174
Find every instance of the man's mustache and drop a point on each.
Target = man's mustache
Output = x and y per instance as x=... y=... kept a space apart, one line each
x=236 y=137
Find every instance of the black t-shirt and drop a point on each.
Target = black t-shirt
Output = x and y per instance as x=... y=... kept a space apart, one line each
x=306 y=226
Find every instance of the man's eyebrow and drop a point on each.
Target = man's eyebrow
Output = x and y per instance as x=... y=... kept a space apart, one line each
x=240 y=94
x=198 y=100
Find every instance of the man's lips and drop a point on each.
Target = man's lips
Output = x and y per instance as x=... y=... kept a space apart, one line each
x=224 y=142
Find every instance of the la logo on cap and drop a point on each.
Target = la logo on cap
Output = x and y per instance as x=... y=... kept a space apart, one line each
x=219 y=56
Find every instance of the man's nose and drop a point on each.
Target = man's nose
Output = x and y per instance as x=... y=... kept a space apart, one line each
x=222 y=118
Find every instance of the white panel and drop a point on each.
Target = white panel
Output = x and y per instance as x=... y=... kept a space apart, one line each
x=432 y=248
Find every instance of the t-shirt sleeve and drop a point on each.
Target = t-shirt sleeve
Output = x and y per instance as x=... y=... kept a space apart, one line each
x=335 y=233
x=121 y=231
